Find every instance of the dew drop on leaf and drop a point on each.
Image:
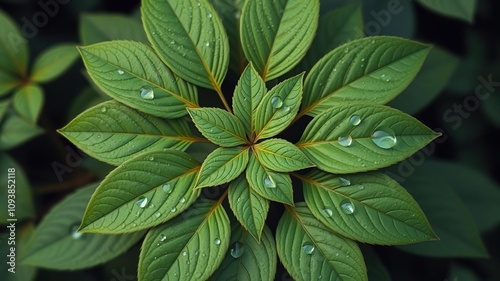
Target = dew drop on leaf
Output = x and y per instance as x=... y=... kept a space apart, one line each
x=209 y=15
x=347 y=207
x=184 y=253
x=120 y=71
x=327 y=212
x=269 y=182
x=142 y=202
x=237 y=250
x=345 y=141
x=163 y=237
x=217 y=241
x=276 y=102
x=73 y=231
x=103 y=109
x=207 y=44
x=173 y=210
x=384 y=138
x=355 y=120
x=157 y=214
x=182 y=200
x=308 y=249
x=147 y=93
x=344 y=181
x=167 y=188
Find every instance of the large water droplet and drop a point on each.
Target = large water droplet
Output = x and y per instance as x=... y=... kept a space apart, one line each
x=327 y=212
x=120 y=71
x=163 y=237
x=269 y=182
x=217 y=241
x=276 y=102
x=167 y=188
x=147 y=93
x=237 y=250
x=345 y=141
x=308 y=249
x=384 y=138
x=182 y=200
x=344 y=181
x=347 y=207
x=142 y=202
x=355 y=120
x=73 y=231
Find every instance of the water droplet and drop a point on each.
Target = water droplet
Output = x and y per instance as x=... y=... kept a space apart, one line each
x=172 y=42
x=373 y=41
x=335 y=69
x=142 y=202
x=237 y=14
x=327 y=212
x=308 y=249
x=157 y=214
x=355 y=120
x=73 y=231
x=151 y=158
x=384 y=138
x=276 y=102
x=184 y=253
x=237 y=250
x=347 y=207
x=167 y=188
x=217 y=241
x=209 y=15
x=344 y=181
x=286 y=108
x=147 y=93
x=361 y=187
x=198 y=4
x=173 y=210
x=182 y=200
x=120 y=71
x=345 y=141
x=363 y=59
x=163 y=237
x=269 y=182
x=207 y=44
x=103 y=109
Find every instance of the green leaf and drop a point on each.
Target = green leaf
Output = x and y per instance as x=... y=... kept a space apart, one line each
x=96 y=28
x=189 y=247
x=275 y=35
x=190 y=38
x=143 y=192
x=222 y=166
x=7 y=82
x=429 y=83
x=460 y=9
x=13 y=48
x=23 y=199
x=335 y=28
x=369 y=207
x=218 y=126
x=15 y=131
x=281 y=156
x=309 y=250
x=278 y=108
x=28 y=102
x=248 y=207
x=134 y=75
x=248 y=94
x=56 y=244
x=351 y=138
x=373 y=69
x=269 y=184
x=4 y=106
x=102 y=132
x=53 y=62
x=248 y=259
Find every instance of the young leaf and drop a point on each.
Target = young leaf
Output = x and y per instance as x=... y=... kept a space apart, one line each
x=189 y=247
x=309 y=250
x=100 y=132
x=15 y=131
x=269 y=184
x=368 y=207
x=96 y=28
x=351 y=138
x=143 y=192
x=248 y=207
x=28 y=102
x=460 y=9
x=57 y=244
x=13 y=48
x=190 y=38
x=373 y=69
x=248 y=259
x=281 y=156
x=222 y=166
x=53 y=62
x=247 y=96
x=134 y=75
x=275 y=35
x=218 y=126
x=278 y=108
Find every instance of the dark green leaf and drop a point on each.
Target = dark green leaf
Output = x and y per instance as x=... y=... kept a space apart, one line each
x=460 y=9
x=53 y=62
x=28 y=102
x=375 y=267
x=7 y=82
x=4 y=106
x=222 y=166
x=13 y=48
x=96 y=28
x=14 y=131
x=281 y=156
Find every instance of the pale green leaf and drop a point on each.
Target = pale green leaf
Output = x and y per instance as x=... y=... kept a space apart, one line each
x=222 y=166
x=190 y=38
x=275 y=35
x=218 y=126
x=28 y=102
x=134 y=75
x=247 y=96
x=189 y=247
x=145 y=191
x=56 y=243
x=460 y=9
x=310 y=251
x=7 y=82
x=352 y=138
x=114 y=133
x=281 y=156
x=373 y=69
x=278 y=108
x=248 y=259
x=14 y=131
x=369 y=207
x=96 y=28
x=53 y=62
x=13 y=48
x=248 y=207
x=269 y=184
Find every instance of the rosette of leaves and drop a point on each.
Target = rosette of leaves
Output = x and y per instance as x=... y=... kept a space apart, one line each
x=148 y=126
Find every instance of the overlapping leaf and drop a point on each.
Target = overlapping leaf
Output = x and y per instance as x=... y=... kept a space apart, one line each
x=143 y=192
x=7 y=82
x=189 y=247
x=15 y=131
x=352 y=138
x=370 y=208
x=134 y=75
x=461 y=9
x=95 y=28
x=13 y=48
x=53 y=62
x=28 y=102
x=222 y=166
x=281 y=156
x=103 y=133
x=311 y=251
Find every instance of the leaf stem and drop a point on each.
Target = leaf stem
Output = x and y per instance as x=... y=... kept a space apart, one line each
x=222 y=98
